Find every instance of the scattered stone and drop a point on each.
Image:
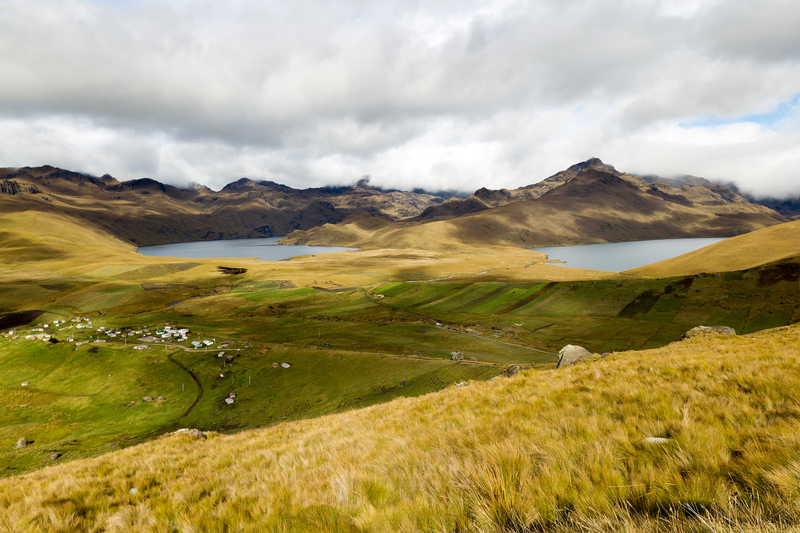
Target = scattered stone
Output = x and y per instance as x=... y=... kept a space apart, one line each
x=513 y=370
x=229 y=400
x=416 y=353
x=655 y=440
x=232 y=395
x=462 y=384
x=326 y=344
x=191 y=433
x=604 y=355
x=403 y=383
x=285 y=365
x=456 y=356
x=25 y=383
x=570 y=355
x=53 y=456
x=21 y=443
x=161 y=399
x=147 y=399
x=133 y=491
x=708 y=330
x=275 y=365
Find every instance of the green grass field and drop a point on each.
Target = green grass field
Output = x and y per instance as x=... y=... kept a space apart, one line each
x=348 y=347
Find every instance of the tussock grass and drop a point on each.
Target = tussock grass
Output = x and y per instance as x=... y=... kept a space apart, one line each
x=543 y=451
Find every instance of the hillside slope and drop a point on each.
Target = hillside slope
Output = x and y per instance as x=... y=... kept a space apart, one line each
x=737 y=253
x=555 y=450
x=593 y=207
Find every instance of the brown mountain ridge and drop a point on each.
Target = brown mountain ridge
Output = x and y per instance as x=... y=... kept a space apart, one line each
x=146 y=212
x=589 y=202
x=595 y=205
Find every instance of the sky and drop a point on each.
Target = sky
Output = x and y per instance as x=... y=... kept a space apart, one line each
x=442 y=95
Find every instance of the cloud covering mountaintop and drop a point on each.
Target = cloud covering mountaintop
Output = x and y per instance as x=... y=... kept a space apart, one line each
x=443 y=95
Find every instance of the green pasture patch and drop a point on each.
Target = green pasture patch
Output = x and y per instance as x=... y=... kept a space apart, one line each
x=463 y=299
x=256 y=285
x=111 y=271
x=155 y=271
x=428 y=382
x=77 y=400
x=422 y=294
x=509 y=297
x=394 y=289
x=94 y=301
x=765 y=321
x=121 y=288
x=278 y=295
x=318 y=382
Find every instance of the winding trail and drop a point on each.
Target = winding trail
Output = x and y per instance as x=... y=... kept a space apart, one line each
x=199 y=386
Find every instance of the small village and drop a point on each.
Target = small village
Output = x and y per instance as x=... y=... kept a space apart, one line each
x=140 y=338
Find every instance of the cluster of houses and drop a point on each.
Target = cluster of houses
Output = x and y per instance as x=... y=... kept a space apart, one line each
x=162 y=333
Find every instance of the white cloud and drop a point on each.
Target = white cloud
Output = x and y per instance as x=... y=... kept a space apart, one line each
x=449 y=95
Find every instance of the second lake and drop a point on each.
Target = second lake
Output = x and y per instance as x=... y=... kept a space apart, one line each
x=620 y=256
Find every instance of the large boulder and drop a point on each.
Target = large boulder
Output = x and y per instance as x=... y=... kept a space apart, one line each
x=456 y=356
x=21 y=443
x=571 y=355
x=511 y=371
x=708 y=330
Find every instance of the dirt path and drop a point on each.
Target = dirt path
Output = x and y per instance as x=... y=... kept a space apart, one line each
x=199 y=387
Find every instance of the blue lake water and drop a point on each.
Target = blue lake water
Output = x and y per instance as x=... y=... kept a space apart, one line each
x=619 y=256
x=266 y=249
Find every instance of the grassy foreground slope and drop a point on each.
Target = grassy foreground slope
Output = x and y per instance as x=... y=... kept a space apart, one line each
x=556 y=450
x=737 y=253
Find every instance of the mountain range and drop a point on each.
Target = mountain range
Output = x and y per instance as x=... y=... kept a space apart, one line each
x=589 y=202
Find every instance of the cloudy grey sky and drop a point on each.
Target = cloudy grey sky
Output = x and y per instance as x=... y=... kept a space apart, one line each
x=447 y=94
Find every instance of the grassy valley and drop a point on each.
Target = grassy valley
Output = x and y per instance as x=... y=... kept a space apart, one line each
x=370 y=390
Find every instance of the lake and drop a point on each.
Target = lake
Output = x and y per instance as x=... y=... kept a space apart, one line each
x=620 y=256
x=266 y=249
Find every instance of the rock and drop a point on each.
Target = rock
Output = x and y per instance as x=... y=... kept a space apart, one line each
x=570 y=355
x=416 y=353
x=196 y=433
x=275 y=365
x=147 y=399
x=285 y=365
x=53 y=456
x=655 y=440
x=161 y=399
x=133 y=491
x=25 y=383
x=403 y=383
x=326 y=344
x=708 y=330
x=229 y=400
x=231 y=395
x=604 y=355
x=456 y=356
x=513 y=370
x=21 y=443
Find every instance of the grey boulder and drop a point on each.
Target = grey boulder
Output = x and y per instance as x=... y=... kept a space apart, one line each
x=571 y=355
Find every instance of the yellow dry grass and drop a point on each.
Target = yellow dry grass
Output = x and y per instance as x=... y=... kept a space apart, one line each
x=737 y=253
x=36 y=245
x=557 y=450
